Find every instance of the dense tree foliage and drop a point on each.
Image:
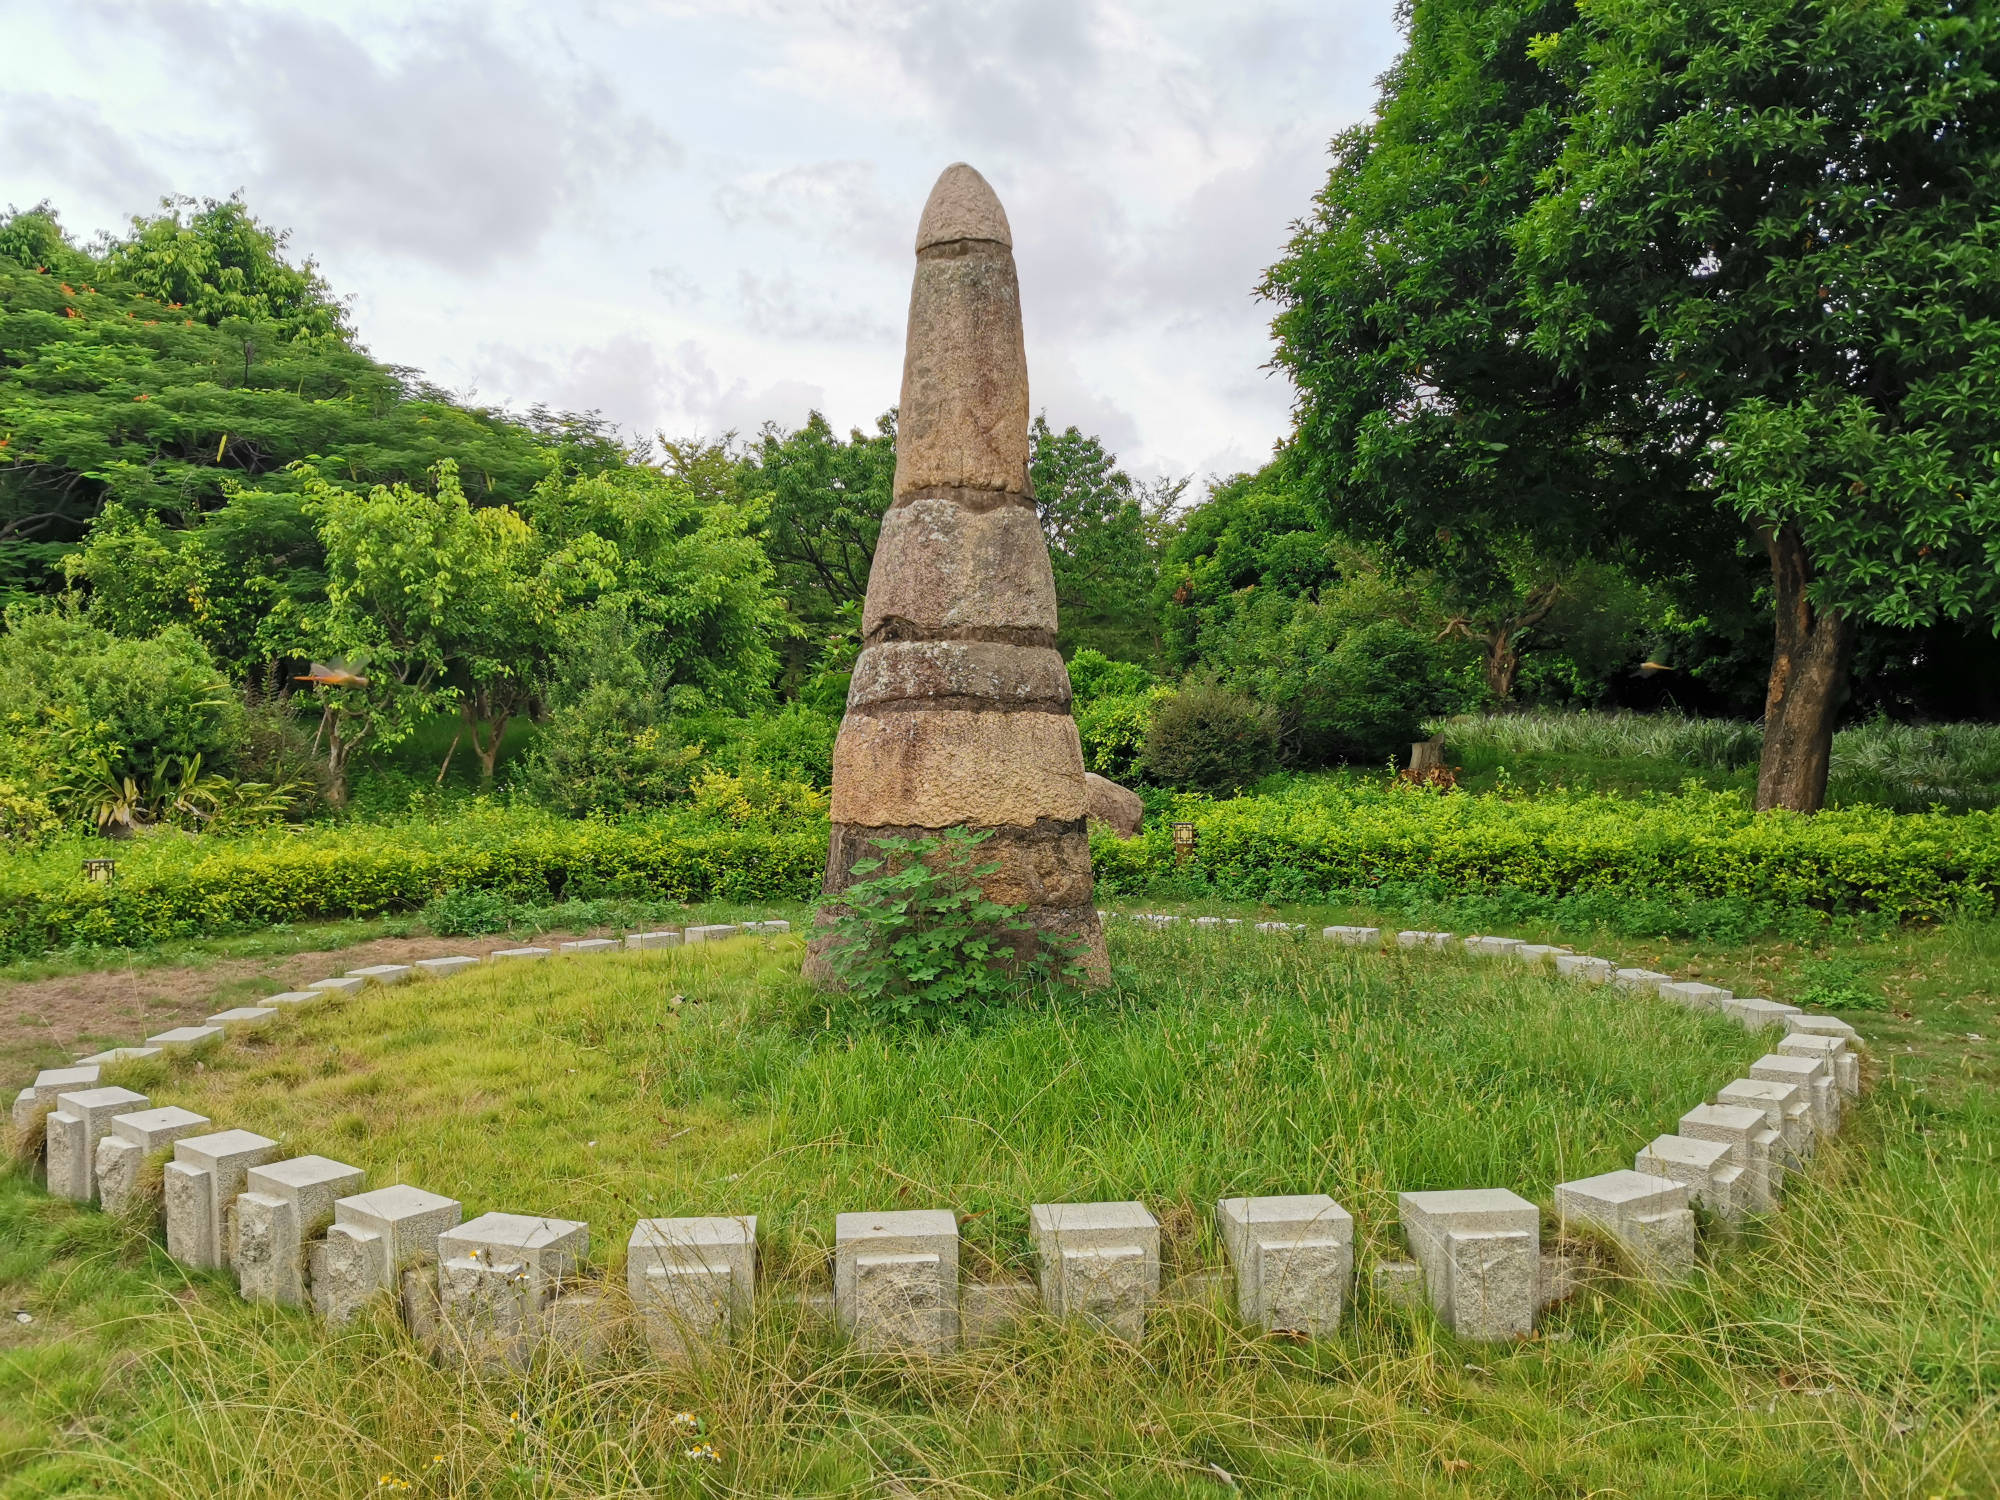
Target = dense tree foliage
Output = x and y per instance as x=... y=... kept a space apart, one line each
x=682 y=567
x=1255 y=538
x=1600 y=313
x=1635 y=281
x=1100 y=543
x=824 y=501
x=114 y=394
x=221 y=264
x=1430 y=420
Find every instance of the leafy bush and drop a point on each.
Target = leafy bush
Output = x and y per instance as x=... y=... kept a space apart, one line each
x=757 y=798
x=603 y=755
x=80 y=700
x=794 y=744
x=1367 y=698
x=921 y=944
x=121 y=734
x=278 y=752
x=1114 y=730
x=462 y=913
x=1208 y=739
x=1697 y=864
x=1093 y=675
x=1344 y=687
x=26 y=818
x=1319 y=838
x=1836 y=984
x=169 y=888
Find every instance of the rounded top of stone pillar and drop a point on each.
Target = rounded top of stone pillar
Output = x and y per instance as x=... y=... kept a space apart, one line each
x=962 y=207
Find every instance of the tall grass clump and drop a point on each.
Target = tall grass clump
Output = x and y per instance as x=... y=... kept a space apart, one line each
x=1907 y=767
x=1914 y=766
x=1710 y=744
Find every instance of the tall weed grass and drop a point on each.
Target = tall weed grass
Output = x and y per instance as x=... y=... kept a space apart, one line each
x=1909 y=767
x=1712 y=744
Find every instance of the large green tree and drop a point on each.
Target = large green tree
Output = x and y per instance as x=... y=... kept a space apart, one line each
x=1429 y=421
x=430 y=603
x=112 y=395
x=822 y=499
x=684 y=568
x=1777 y=223
x=1647 y=282
x=1101 y=546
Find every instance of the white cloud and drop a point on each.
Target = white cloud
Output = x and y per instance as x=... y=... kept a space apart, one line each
x=781 y=307
x=454 y=146
x=71 y=153
x=698 y=214
x=842 y=202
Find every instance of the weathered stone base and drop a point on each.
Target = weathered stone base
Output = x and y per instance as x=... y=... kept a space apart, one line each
x=1293 y=1257
x=691 y=1281
x=80 y=1120
x=1646 y=1216
x=121 y=1156
x=1044 y=866
x=284 y=1207
x=497 y=1275
x=1099 y=1262
x=200 y=1186
x=1480 y=1249
x=895 y=1279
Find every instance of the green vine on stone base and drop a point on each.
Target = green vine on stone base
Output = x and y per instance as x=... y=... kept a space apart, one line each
x=921 y=943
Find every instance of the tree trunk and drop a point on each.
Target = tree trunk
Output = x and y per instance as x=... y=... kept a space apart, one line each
x=449 y=751
x=1808 y=682
x=488 y=750
x=337 y=749
x=1503 y=662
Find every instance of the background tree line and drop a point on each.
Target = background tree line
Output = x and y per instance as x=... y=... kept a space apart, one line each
x=1620 y=342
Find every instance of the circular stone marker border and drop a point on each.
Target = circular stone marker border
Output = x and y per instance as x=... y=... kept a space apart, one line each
x=300 y=1231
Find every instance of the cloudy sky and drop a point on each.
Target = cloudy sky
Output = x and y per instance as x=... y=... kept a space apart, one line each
x=698 y=215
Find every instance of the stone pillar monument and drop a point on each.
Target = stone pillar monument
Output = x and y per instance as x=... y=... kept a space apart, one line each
x=959 y=712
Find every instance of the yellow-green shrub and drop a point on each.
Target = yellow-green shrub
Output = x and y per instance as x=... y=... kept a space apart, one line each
x=1309 y=841
x=1324 y=836
x=176 y=887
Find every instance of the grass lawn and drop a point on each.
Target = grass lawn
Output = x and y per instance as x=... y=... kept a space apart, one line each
x=59 y=1006
x=1849 y=1345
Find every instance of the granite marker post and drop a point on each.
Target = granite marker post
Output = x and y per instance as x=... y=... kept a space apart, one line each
x=959 y=710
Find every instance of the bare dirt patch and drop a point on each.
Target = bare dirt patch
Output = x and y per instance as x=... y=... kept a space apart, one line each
x=44 y=1022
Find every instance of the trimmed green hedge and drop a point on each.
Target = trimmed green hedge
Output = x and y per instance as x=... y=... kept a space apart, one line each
x=1323 y=837
x=179 y=887
x=1314 y=840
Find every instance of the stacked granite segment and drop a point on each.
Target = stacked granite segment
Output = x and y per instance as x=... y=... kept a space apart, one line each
x=959 y=709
